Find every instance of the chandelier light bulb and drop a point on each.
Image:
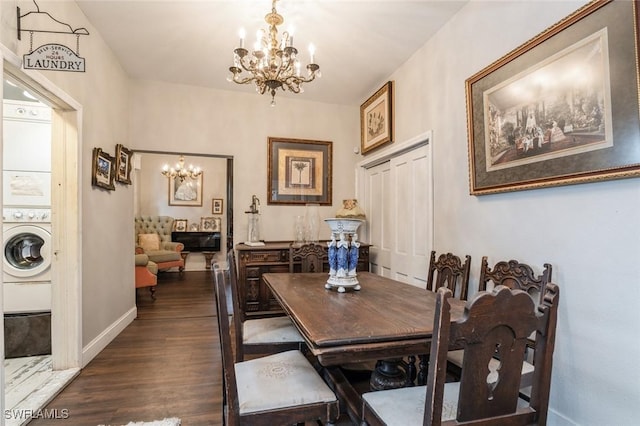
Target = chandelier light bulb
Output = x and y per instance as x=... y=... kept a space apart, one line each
x=242 y=33
x=180 y=171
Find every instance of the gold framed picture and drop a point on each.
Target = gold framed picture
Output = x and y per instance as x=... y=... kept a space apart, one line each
x=299 y=171
x=533 y=123
x=123 y=164
x=376 y=119
x=103 y=170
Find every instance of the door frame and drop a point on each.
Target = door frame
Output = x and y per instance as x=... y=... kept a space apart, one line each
x=393 y=151
x=66 y=172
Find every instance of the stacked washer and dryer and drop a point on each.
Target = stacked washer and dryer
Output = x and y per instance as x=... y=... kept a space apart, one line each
x=26 y=272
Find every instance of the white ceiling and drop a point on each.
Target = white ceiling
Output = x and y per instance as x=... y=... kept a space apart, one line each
x=358 y=43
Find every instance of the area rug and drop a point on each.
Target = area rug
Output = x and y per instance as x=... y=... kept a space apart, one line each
x=174 y=421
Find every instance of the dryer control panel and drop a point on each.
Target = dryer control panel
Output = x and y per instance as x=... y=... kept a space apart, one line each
x=25 y=215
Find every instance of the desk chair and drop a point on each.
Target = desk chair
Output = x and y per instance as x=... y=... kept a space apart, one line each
x=278 y=389
x=259 y=335
x=514 y=275
x=495 y=324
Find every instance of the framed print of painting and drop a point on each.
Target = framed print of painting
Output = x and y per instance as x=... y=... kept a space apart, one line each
x=299 y=171
x=123 y=164
x=103 y=170
x=185 y=191
x=216 y=206
x=376 y=119
x=560 y=109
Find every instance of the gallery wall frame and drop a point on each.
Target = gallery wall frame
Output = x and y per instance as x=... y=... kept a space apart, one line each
x=123 y=164
x=376 y=119
x=103 y=170
x=534 y=122
x=180 y=225
x=216 y=205
x=185 y=191
x=299 y=171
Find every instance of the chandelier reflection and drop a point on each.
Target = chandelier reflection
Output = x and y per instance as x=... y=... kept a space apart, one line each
x=273 y=64
x=180 y=171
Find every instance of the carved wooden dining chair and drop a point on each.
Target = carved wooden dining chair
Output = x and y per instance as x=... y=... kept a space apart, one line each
x=515 y=275
x=259 y=335
x=309 y=257
x=494 y=324
x=278 y=389
x=449 y=271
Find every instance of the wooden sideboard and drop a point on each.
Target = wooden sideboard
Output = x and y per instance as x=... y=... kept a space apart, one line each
x=272 y=257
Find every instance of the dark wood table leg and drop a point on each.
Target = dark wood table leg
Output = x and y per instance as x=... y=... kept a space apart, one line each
x=388 y=375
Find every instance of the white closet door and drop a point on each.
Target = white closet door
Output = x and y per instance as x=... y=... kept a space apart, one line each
x=399 y=211
x=378 y=210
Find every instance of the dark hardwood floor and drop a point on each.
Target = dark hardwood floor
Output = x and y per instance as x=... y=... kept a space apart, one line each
x=164 y=364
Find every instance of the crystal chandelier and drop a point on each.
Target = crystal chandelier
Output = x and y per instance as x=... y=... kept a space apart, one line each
x=273 y=64
x=180 y=171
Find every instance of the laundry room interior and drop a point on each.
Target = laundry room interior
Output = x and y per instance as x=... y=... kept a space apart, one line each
x=27 y=241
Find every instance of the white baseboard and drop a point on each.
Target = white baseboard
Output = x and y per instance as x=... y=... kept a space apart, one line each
x=103 y=339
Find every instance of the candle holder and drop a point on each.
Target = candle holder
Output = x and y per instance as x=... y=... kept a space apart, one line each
x=343 y=251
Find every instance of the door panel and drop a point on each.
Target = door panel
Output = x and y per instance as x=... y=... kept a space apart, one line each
x=398 y=204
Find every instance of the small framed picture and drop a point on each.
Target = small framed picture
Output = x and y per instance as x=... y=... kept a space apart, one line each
x=103 y=170
x=180 y=225
x=216 y=206
x=123 y=164
x=210 y=224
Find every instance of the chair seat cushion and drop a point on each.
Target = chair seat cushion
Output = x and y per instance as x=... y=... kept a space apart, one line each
x=270 y=330
x=160 y=256
x=405 y=406
x=282 y=380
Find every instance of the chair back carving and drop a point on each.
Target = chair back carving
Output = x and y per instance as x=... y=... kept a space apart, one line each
x=515 y=275
x=495 y=324
x=449 y=271
x=224 y=331
x=312 y=257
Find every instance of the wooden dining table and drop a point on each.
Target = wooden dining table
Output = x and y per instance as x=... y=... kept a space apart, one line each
x=384 y=321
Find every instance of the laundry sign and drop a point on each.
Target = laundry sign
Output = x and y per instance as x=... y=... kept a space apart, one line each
x=53 y=57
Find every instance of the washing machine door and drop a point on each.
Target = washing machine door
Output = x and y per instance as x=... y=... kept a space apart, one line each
x=26 y=251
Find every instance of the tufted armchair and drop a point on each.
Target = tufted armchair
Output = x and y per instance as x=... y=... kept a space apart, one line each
x=153 y=238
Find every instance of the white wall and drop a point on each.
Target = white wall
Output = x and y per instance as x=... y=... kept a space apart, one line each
x=108 y=255
x=170 y=117
x=590 y=233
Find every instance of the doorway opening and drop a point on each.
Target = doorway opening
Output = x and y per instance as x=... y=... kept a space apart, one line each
x=41 y=279
x=152 y=197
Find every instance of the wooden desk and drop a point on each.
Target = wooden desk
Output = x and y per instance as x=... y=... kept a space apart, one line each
x=385 y=320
